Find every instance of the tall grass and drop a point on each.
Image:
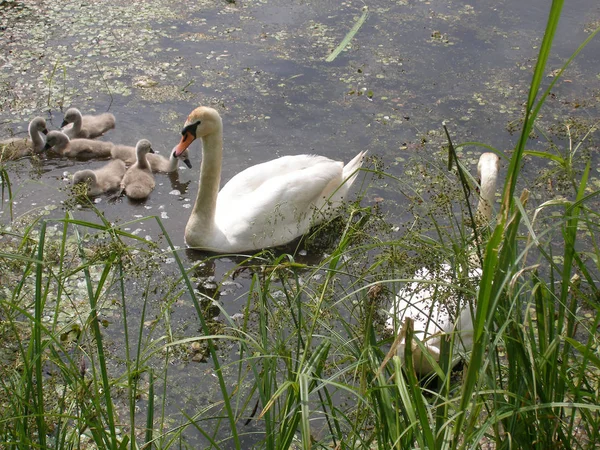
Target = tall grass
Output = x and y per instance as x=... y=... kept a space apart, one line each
x=312 y=367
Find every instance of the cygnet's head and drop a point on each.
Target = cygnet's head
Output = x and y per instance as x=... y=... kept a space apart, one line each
x=143 y=147
x=56 y=139
x=185 y=156
x=84 y=176
x=38 y=124
x=71 y=116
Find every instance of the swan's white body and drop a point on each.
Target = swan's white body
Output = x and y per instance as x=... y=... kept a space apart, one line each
x=105 y=179
x=86 y=127
x=60 y=143
x=264 y=206
x=435 y=308
x=14 y=148
x=138 y=182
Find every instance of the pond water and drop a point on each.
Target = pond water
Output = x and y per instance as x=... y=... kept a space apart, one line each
x=411 y=66
x=262 y=64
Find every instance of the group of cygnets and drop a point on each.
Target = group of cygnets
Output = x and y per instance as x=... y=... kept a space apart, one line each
x=77 y=139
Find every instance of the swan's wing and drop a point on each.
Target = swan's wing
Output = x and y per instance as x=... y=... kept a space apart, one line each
x=253 y=177
x=272 y=203
x=423 y=300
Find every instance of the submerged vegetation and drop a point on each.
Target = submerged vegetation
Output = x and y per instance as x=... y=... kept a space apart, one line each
x=110 y=340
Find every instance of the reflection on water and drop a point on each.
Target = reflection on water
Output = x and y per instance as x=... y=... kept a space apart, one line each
x=176 y=185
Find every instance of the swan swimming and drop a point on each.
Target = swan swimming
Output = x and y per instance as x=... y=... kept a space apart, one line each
x=105 y=179
x=138 y=182
x=265 y=205
x=59 y=143
x=158 y=163
x=86 y=127
x=14 y=148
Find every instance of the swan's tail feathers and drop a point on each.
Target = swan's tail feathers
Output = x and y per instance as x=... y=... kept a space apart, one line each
x=350 y=171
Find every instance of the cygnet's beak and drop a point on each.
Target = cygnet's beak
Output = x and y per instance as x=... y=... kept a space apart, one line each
x=186 y=139
x=186 y=160
x=64 y=123
x=45 y=131
x=47 y=147
x=151 y=150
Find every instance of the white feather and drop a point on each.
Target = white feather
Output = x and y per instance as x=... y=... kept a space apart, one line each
x=437 y=310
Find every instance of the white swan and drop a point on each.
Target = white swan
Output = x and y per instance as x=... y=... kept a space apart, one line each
x=138 y=181
x=14 y=148
x=86 y=127
x=105 y=179
x=59 y=142
x=435 y=308
x=158 y=163
x=266 y=205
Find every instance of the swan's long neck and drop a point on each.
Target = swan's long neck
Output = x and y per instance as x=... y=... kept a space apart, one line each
x=37 y=137
x=77 y=124
x=487 y=195
x=63 y=145
x=203 y=214
x=142 y=161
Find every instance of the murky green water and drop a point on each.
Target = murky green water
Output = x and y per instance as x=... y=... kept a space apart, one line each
x=412 y=65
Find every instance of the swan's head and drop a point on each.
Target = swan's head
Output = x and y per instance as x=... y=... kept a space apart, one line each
x=487 y=170
x=143 y=147
x=70 y=116
x=203 y=121
x=38 y=124
x=56 y=139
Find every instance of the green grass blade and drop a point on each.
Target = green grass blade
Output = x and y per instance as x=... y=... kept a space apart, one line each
x=303 y=381
x=349 y=36
x=530 y=112
x=150 y=411
x=205 y=329
x=95 y=326
x=37 y=340
x=5 y=181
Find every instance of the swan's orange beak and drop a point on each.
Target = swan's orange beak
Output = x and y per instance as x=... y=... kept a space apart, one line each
x=185 y=142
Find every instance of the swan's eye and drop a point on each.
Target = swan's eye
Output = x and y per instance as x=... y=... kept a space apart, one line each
x=191 y=129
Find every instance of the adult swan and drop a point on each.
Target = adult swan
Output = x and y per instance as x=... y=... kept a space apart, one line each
x=266 y=205
x=430 y=300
